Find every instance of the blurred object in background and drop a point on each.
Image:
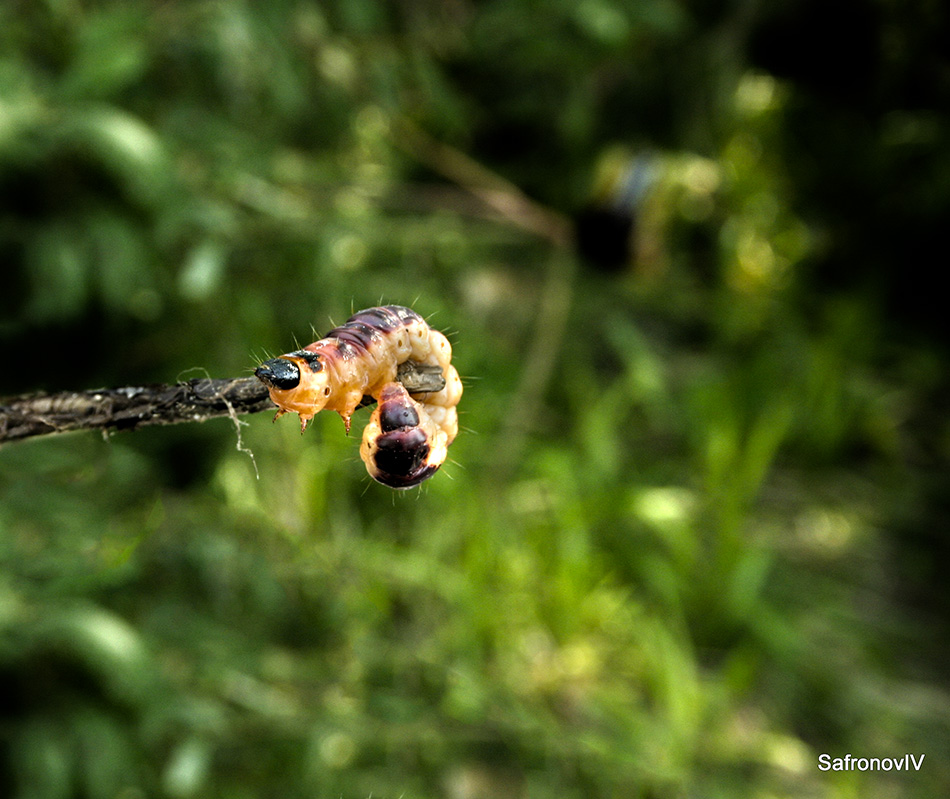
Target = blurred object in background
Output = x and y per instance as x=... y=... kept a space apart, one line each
x=606 y=227
x=641 y=203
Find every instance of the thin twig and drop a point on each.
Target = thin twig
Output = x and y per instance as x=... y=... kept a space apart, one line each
x=128 y=408
x=498 y=193
x=541 y=360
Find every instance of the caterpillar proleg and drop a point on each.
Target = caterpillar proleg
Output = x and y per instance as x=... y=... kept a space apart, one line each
x=406 y=439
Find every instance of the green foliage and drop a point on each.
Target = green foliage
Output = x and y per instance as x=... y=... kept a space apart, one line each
x=686 y=542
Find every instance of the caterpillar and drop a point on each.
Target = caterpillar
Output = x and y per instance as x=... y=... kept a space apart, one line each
x=405 y=440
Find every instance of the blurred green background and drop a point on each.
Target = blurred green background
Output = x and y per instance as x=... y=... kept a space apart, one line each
x=694 y=530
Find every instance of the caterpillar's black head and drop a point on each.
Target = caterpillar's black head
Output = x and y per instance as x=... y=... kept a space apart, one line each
x=401 y=458
x=278 y=373
x=397 y=445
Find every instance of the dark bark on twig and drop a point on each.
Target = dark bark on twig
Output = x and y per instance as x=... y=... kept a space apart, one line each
x=113 y=409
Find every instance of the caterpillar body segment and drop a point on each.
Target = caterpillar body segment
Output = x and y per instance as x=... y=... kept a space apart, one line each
x=352 y=360
x=406 y=440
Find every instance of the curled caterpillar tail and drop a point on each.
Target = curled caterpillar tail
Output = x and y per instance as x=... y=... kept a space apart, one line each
x=405 y=441
x=402 y=444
